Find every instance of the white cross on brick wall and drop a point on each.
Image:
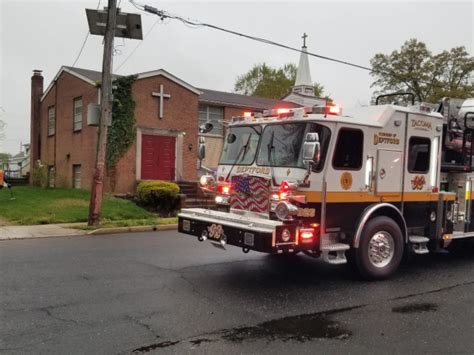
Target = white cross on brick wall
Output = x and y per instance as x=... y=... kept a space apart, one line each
x=162 y=96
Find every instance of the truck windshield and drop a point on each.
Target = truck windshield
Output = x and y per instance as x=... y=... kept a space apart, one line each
x=240 y=145
x=282 y=144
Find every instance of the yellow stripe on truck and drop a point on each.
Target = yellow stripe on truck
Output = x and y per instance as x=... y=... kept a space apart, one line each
x=341 y=197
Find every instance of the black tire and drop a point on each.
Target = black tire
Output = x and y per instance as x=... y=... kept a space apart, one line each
x=386 y=230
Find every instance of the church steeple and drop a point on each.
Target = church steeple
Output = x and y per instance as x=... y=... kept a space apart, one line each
x=303 y=83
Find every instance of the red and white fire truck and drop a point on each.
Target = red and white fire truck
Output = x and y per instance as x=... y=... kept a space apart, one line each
x=371 y=184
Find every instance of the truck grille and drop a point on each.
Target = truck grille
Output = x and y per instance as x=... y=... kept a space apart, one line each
x=250 y=193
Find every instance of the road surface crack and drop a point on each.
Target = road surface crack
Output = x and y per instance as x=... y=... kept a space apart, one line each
x=442 y=289
x=142 y=324
x=49 y=312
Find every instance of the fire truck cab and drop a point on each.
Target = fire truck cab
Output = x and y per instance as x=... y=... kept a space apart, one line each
x=367 y=185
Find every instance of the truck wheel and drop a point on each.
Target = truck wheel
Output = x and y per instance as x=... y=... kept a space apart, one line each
x=380 y=249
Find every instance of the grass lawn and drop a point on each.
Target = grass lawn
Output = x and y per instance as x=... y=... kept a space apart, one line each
x=33 y=205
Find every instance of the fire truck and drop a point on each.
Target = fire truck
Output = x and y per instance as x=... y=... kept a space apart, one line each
x=366 y=186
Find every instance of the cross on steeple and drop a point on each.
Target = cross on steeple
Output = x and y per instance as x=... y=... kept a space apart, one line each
x=303 y=83
x=304 y=39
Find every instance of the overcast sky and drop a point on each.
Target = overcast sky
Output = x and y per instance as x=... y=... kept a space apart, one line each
x=47 y=34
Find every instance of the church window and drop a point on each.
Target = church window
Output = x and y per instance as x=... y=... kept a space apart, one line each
x=77 y=114
x=213 y=115
x=51 y=121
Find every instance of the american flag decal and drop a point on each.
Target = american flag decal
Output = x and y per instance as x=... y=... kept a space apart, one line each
x=250 y=193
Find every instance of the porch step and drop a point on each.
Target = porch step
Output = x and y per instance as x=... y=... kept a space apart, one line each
x=334 y=253
x=189 y=188
x=419 y=244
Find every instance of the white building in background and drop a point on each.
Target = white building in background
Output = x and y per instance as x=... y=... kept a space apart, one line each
x=19 y=164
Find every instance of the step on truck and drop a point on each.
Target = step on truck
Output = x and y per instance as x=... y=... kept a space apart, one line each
x=368 y=185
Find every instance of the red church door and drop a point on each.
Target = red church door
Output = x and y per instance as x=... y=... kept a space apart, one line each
x=158 y=157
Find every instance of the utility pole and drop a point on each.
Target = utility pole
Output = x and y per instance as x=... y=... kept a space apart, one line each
x=109 y=23
x=105 y=116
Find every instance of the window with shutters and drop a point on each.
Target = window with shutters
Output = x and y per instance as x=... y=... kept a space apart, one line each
x=51 y=121
x=77 y=112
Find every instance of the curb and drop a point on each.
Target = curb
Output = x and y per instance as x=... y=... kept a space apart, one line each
x=151 y=228
x=42 y=236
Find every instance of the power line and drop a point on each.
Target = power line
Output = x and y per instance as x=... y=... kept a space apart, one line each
x=197 y=24
x=84 y=42
x=164 y=14
x=82 y=48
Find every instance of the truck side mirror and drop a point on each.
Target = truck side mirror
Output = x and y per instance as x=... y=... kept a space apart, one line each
x=311 y=149
x=469 y=120
x=202 y=148
x=206 y=127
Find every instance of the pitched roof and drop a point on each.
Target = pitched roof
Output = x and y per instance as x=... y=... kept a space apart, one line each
x=206 y=96
x=92 y=75
x=169 y=76
x=18 y=155
x=237 y=100
x=82 y=74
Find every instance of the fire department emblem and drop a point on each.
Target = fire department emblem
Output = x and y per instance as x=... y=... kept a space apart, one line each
x=346 y=180
x=418 y=182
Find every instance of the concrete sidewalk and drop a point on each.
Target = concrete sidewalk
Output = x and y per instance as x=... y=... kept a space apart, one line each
x=67 y=230
x=38 y=231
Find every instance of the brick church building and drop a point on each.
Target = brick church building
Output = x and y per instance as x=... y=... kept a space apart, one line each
x=168 y=111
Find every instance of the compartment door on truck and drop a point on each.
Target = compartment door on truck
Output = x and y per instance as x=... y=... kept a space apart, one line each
x=388 y=180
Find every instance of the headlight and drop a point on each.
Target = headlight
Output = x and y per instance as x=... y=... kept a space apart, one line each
x=285 y=210
x=206 y=180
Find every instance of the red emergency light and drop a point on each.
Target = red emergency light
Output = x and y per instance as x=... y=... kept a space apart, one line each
x=328 y=110
x=282 y=110
x=306 y=235
x=223 y=189
x=334 y=110
x=284 y=187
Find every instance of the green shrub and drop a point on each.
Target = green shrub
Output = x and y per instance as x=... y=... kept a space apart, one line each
x=40 y=175
x=160 y=195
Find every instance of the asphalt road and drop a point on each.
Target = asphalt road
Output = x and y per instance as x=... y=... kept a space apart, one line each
x=167 y=293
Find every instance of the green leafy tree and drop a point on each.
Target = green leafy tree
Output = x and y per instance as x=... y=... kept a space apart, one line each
x=414 y=68
x=274 y=83
x=4 y=158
